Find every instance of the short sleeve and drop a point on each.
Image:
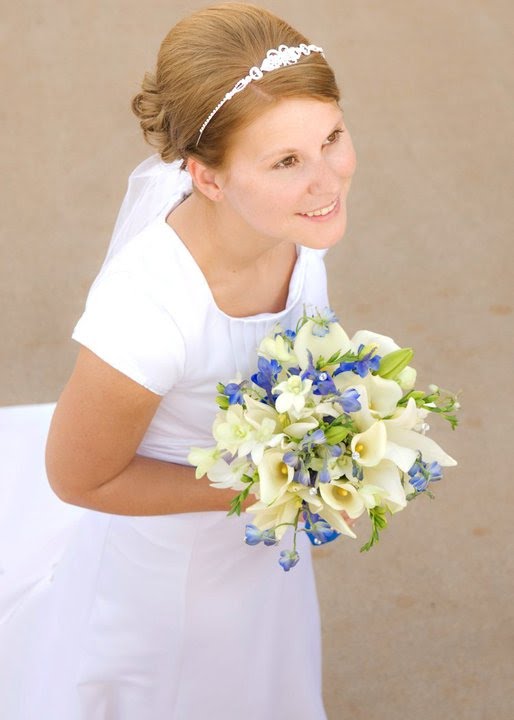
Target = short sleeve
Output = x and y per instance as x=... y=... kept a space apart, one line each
x=125 y=325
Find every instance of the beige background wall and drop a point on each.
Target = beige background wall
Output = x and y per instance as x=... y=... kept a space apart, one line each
x=422 y=627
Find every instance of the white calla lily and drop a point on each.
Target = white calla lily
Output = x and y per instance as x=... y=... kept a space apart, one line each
x=282 y=512
x=277 y=349
x=429 y=449
x=403 y=457
x=384 y=343
x=257 y=411
x=387 y=477
x=274 y=476
x=342 y=496
x=406 y=417
x=383 y=394
x=335 y=520
x=335 y=340
x=363 y=418
x=370 y=445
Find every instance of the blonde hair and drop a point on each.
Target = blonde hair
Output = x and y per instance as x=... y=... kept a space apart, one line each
x=201 y=59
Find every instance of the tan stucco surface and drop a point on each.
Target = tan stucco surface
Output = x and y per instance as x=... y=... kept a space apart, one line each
x=421 y=627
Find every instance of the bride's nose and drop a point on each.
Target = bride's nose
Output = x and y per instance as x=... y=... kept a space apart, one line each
x=324 y=181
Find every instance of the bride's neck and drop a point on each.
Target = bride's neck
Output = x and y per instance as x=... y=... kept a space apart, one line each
x=217 y=238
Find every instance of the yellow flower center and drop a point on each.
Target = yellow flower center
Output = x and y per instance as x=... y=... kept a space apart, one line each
x=283 y=469
x=342 y=491
x=359 y=447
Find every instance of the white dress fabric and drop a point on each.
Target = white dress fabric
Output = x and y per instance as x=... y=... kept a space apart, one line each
x=108 y=617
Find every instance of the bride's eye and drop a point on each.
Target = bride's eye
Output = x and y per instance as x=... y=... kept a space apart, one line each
x=287 y=162
x=334 y=136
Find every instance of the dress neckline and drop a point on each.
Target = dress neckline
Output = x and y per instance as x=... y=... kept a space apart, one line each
x=295 y=284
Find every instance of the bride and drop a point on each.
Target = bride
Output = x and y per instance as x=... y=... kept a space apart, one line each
x=147 y=604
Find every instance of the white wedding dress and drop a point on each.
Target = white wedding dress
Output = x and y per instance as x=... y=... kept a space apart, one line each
x=107 y=617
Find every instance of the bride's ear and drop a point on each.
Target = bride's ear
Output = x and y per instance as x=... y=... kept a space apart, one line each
x=205 y=179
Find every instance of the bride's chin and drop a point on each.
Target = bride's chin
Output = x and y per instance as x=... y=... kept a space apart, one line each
x=326 y=240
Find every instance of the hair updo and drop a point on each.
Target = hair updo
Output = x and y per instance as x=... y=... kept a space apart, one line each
x=201 y=59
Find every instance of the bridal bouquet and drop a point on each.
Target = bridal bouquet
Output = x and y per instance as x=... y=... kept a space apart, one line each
x=327 y=429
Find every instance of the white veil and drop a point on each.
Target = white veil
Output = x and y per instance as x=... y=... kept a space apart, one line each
x=153 y=187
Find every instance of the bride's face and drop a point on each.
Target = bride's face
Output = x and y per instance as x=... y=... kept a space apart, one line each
x=287 y=174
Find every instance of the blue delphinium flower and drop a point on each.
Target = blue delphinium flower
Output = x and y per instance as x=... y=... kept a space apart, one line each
x=267 y=374
x=290 y=334
x=322 y=321
x=363 y=365
x=319 y=531
x=349 y=400
x=253 y=536
x=288 y=559
x=324 y=474
x=234 y=392
x=322 y=383
x=294 y=459
x=357 y=470
x=421 y=474
x=314 y=438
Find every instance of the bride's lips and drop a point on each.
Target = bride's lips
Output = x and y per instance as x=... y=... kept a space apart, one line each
x=329 y=211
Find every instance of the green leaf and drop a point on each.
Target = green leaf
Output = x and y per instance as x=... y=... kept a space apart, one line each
x=237 y=502
x=378 y=519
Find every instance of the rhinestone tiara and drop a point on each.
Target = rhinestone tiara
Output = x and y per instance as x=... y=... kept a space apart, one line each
x=277 y=58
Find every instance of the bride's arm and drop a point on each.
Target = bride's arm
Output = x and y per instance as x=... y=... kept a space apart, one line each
x=91 y=460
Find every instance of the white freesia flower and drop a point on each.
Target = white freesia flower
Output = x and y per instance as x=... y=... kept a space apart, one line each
x=371 y=495
x=293 y=392
x=263 y=436
x=326 y=409
x=228 y=475
x=277 y=349
x=342 y=496
x=335 y=340
x=203 y=459
x=274 y=476
x=299 y=429
x=230 y=429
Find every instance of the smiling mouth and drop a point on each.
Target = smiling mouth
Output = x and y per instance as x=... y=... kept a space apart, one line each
x=322 y=211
